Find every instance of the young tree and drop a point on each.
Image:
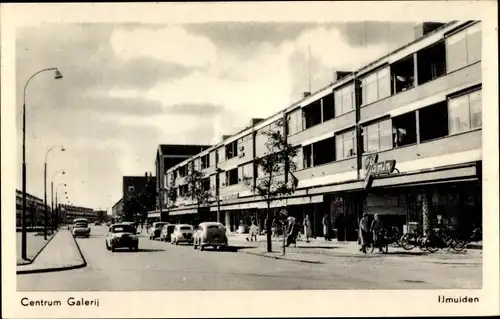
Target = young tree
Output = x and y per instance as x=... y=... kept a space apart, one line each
x=196 y=189
x=278 y=161
x=172 y=195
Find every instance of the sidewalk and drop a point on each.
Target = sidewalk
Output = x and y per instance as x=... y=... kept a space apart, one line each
x=321 y=251
x=35 y=243
x=62 y=253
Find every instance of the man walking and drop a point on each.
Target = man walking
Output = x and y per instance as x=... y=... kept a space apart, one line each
x=326 y=227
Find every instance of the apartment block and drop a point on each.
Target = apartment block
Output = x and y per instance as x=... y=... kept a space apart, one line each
x=400 y=137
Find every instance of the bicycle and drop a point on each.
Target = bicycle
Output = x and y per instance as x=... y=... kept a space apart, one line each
x=382 y=242
x=460 y=245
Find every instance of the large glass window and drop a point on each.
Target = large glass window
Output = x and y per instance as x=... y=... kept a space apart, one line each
x=463 y=48
x=307 y=156
x=295 y=122
x=344 y=100
x=345 y=145
x=464 y=112
x=323 y=151
x=376 y=86
x=377 y=137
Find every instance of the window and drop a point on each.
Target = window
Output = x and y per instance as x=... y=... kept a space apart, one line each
x=232 y=176
x=205 y=161
x=402 y=75
x=431 y=63
x=464 y=112
x=377 y=137
x=232 y=150
x=323 y=151
x=312 y=114
x=344 y=100
x=183 y=189
x=404 y=129
x=247 y=171
x=345 y=145
x=131 y=189
x=294 y=124
x=307 y=151
x=463 y=48
x=376 y=86
x=205 y=184
x=433 y=121
x=328 y=107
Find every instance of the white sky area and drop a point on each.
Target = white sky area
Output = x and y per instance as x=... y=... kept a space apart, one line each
x=128 y=88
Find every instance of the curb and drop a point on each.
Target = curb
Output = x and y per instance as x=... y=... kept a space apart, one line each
x=30 y=261
x=63 y=268
x=284 y=258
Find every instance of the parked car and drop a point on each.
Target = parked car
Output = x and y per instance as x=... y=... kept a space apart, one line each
x=182 y=233
x=166 y=231
x=155 y=230
x=122 y=236
x=80 y=228
x=97 y=223
x=210 y=234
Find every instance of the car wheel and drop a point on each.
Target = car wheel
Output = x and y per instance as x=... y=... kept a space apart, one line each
x=177 y=242
x=202 y=248
x=107 y=246
x=113 y=249
x=136 y=247
x=194 y=245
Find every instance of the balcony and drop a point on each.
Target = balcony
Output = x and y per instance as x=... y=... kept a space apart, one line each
x=469 y=75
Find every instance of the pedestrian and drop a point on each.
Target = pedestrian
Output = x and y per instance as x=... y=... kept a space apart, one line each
x=326 y=227
x=364 y=232
x=376 y=228
x=307 y=228
x=254 y=230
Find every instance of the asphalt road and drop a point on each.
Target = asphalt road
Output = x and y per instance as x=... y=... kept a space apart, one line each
x=162 y=266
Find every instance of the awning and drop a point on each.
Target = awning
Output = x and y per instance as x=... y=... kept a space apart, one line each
x=277 y=203
x=154 y=215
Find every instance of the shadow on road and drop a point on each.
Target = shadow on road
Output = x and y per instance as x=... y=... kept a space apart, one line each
x=141 y=250
x=230 y=249
x=317 y=247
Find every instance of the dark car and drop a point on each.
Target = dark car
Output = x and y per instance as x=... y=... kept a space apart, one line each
x=122 y=236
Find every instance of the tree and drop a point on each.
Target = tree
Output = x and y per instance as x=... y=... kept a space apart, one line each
x=197 y=190
x=138 y=205
x=275 y=164
x=172 y=195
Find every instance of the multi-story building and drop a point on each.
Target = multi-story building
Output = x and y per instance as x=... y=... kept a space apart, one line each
x=71 y=212
x=400 y=137
x=35 y=210
x=131 y=186
x=167 y=156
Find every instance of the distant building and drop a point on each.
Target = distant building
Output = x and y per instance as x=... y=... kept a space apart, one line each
x=117 y=209
x=35 y=211
x=132 y=185
x=69 y=213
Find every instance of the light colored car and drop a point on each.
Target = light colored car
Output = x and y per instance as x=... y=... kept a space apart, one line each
x=122 y=236
x=210 y=234
x=80 y=228
x=166 y=231
x=155 y=230
x=183 y=233
x=132 y=224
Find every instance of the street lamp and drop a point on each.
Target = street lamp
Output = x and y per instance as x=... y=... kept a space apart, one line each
x=45 y=187
x=54 y=216
x=57 y=75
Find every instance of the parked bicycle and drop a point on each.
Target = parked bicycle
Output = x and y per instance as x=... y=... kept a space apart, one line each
x=461 y=244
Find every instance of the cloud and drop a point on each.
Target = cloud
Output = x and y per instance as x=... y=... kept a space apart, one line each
x=194 y=109
x=171 y=44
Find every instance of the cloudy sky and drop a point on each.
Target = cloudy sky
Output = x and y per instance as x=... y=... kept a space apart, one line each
x=129 y=87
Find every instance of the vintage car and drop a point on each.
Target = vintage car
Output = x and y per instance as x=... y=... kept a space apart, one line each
x=182 y=233
x=122 y=236
x=166 y=231
x=132 y=224
x=80 y=228
x=155 y=230
x=210 y=234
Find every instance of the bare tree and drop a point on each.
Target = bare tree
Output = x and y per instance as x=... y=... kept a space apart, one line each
x=197 y=190
x=275 y=165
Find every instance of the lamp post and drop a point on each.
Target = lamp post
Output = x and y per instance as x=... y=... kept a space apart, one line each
x=57 y=188
x=45 y=188
x=57 y=75
x=54 y=216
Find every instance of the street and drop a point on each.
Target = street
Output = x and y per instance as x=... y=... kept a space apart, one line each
x=162 y=266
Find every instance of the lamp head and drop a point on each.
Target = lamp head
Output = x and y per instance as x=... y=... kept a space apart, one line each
x=57 y=75
x=62 y=149
x=64 y=173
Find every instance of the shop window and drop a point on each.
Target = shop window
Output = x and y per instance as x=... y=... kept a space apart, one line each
x=294 y=122
x=312 y=114
x=345 y=145
x=205 y=161
x=404 y=129
x=376 y=86
x=323 y=151
x=377 y=137
x=344 y=100
x=328 y=107
x=402 y=75
x=232 y=176
x=433 y=121
x=308 y=159
x=463 y=48
x=464 y=112
x=431 y=63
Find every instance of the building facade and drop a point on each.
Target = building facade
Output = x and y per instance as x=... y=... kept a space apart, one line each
x=35 y=210
x=400 y=137
x=71 y=212
x=117 y=209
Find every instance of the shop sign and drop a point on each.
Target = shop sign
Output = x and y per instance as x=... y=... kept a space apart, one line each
x=230 y=197
x=375 y=168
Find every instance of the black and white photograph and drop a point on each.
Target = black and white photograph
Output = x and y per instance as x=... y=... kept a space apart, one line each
x=237 y=155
